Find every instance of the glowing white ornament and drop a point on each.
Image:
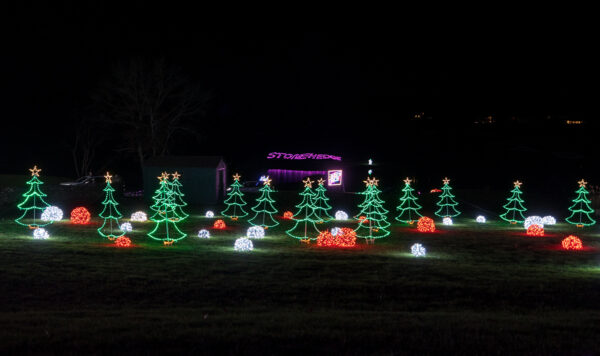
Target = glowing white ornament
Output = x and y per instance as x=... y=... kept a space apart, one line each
x=139 y=216
x=341 y=215
x=52 y=213
x=480 y=219
x=447 y=221
x=40 y=234
x=418 y=250
x=204 y=234
x=243 y=244
x=534 y=220
x=335 y=231
x=210 y=214
x=549 y=220
x=126 y=227
x=255 y=232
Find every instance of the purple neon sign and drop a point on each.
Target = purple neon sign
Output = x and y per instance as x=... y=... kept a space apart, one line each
x=281 y=155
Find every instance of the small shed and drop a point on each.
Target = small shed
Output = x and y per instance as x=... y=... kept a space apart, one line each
x=203 y=177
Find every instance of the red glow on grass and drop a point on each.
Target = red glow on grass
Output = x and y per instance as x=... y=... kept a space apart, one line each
x=80 y=216
x=346 y=237
x=572 y=242
x=288 y=215
x=425 y=224
x=535 y=230
x=219 y=225
x=123 y=241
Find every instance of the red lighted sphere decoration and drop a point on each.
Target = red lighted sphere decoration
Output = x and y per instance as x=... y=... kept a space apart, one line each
x=425 y=224
x=219 y=224
x=572 y=242
x=362 y=219
x=123 y=241
x=80 y=216
x=346 y=237
x=288 y=215
x=535 y=230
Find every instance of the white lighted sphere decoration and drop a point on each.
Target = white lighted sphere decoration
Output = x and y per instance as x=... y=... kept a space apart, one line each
x=549 y=220
x=447 y=221
x=243 y=244
x=480 y=219
x=204 y=234
x=341 y=215
x=335 y=231
x=52 y=213
x=255 y=232
x=210 y=214
x=139 y=216
x=534 y=220
x=126 y=227
x=418 y=250
x=40 y=234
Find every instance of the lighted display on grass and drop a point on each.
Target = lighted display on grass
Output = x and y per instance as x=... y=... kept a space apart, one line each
x=243 y=244
x=480 y=219
x=533 y=220
x=549 y=220
x=264 y=208
x=165 y=218
x=305 y=229
x=418 y=250
x=425 y=224
x=52 y=213
x=110 y=227
x=175 y=186
x=80 y=216
x=581 y=210
x=447 y=221
x=344 y=237
x=535 y=230
x=219 y=225
x=123 y=241
x=447 y=203
x=408 y=208
x=34 y=203
x=320 y=204
x=572 y=242
x=375 y=224
x=341 y=215
x=288 y=215
x=514 y=208
x=235 y=201
x=126 y=227
x=204 y=234
x=139 y=216
x=209 y=214
x=255 y=232
x=40 y=234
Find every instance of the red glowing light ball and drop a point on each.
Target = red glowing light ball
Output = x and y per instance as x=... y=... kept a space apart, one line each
x=362 y=219
x=219 y=224
x=80 y=216
x=535 y=230
x=425 y=224
x=288 y=215
x=572 y=242
x=346 y=237
x=123 y=241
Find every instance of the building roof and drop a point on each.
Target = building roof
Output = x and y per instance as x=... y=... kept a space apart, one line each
x=185 y=161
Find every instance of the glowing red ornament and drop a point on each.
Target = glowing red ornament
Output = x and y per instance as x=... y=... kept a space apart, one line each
x=572 y=242
x=123 y=241
x=80 y=216
x=288 y=215
x=425 y=224
x=345 y=237
x=219 y=224
x=363 y=219
x=535 y=230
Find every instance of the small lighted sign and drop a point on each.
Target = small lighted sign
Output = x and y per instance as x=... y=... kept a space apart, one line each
x=334 y=177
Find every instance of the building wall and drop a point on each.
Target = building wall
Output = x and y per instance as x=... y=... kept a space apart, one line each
x=199 y=184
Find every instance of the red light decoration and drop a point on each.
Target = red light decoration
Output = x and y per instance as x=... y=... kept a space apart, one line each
x=345 y=237
x=80 y=216
x=535 y=230
x=219 y=224
x=123 y=241
x=288 y=215
x=425 y=224
x=572 y=242
x=363 y=219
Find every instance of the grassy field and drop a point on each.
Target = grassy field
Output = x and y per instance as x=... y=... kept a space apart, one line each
x=482 y=289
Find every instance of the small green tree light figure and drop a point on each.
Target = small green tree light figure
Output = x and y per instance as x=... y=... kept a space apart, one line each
x=409 y=208
x=166 y=217
x=581 y=210
x=235 y=201
x=175 y=186
x=514 y=207
x=34 y=200
x=447 y=203
x=111 y=215
x=375 y=224
x=264 y=208
x=305 y=217
x=320 y=202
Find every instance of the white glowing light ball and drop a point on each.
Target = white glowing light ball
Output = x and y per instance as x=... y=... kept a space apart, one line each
x=204 y=234
x=139 y=216
x=549 y=220
x=447 y=221
x=480 y=219
x=335 y=231
x=534 y=220
x=341 y=215
x=255 y=232
x=210 y=214
x=126 y=227
x=418 y=250
x=243 y=244
x=40 y=234
x=52 y=213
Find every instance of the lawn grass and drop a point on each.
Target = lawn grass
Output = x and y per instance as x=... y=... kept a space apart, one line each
x=482 y=289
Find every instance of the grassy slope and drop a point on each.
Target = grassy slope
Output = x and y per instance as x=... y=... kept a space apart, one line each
x=482 y=289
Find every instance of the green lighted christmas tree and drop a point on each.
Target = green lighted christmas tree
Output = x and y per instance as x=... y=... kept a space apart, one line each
x=514 y=207
x=581 y=210
x=111 y=215
x=409 y=208
x=305 y=217
x=34 y=200
x=320 y=202
x=166 y=217
x=375 y=223
x=447 y=203
x=264 y=208
x=175 y=186
x=235 y=203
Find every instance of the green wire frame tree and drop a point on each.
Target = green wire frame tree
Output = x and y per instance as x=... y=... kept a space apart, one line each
x=409 y=208
x=264 y=208
x=447 y=203
x=110 y=213
x=375 y=224
x=514 y=207
x=320 y=203
x=166 y=217
x=235 y=201
x=34 y=200
x=581 y=210
x=306 y=217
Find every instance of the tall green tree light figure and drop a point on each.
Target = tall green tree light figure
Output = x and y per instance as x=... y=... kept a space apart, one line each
x=166 y=217
x=375 y=224
x=320 y=203
x=514 y=207
x=235 y=201
x=264 y=208
x=409 y=208
x=581 y=210
x=175 y=186
x=305 y=217
x=111 y=215
x=447 y=203
x=34 y=201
